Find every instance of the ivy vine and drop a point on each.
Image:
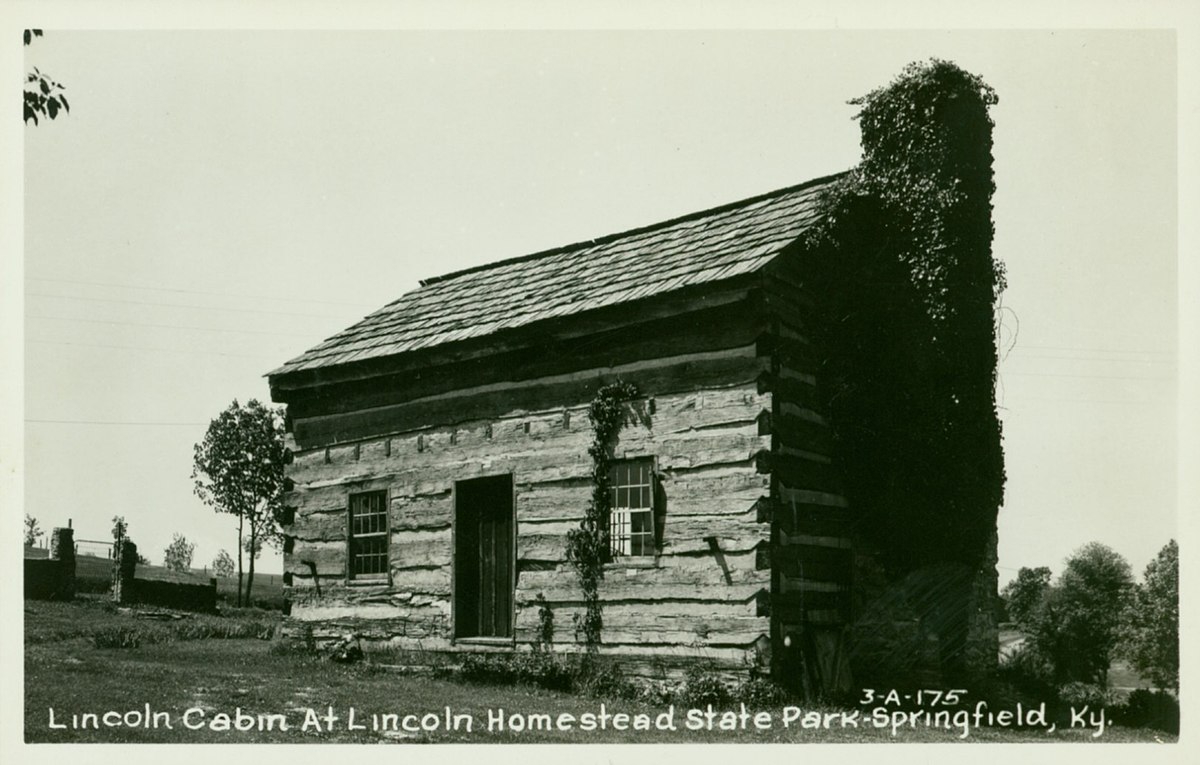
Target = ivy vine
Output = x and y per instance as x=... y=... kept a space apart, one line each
x=903 y=263
x=588 y=545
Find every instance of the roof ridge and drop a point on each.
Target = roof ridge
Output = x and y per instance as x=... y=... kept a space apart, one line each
x=628 y=232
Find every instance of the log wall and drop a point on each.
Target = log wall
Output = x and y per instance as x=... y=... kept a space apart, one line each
x=812 y=540
x=702 y=598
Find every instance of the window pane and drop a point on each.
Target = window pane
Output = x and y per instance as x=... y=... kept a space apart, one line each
x=631 y=526
x=368 y=533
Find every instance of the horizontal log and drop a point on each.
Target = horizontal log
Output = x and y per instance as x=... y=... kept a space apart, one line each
x=407 y=549
x=793 y=351
x=714 y=480
x=542 y=547
x=320 y=527
x=430 y=550
x=800 y=472
x=551 y=459
x=328 y=557
x=656 y=377
x=816 y=513
x=828 y=564
x=796 y=388
x=783 y=283
x=647 y=637
x=841 y=542
x=645 y=590
x=412 y=599
x=407 y=514
x=421 y=512
x=789 y=584
x=789 y=496
x=682 y=503
x=803 y=433
x=404 y=582
x=325 y=626
x=696 y=568
x=794 y=605
x=786 y=408
x=537 y=503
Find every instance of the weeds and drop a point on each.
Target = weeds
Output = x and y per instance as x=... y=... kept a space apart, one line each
x=102 y=623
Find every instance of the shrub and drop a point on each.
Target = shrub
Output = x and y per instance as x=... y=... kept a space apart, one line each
x=1028 y=672
x=1077 y=694
x=348 y=650
x=603 y=680
x=1148 y=709
x=494 y=669
x=656 y=693
x=699 y=689
x=543 y=670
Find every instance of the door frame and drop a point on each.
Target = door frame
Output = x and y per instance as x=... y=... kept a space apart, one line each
x=455 y=638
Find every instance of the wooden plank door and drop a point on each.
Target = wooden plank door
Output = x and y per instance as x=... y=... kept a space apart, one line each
x=483 y=557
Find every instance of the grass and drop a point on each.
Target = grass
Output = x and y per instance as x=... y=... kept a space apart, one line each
x=67 y=672
x=99 y=621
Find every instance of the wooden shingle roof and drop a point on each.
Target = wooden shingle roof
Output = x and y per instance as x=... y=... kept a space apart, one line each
x=703 y=247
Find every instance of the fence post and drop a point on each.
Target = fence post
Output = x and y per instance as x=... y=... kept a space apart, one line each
x=62 y=549
x=124 y=569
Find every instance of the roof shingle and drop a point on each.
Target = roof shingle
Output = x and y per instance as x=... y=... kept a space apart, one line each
x=703 y=247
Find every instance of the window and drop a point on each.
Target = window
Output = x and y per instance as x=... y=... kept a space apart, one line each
x=631 y=523
x=368 y=535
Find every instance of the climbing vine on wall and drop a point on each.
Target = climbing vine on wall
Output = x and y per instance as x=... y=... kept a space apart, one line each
x=588 y=545
x=903 y=264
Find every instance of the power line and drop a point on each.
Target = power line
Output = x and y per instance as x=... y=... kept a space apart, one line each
x=1094 y=359
x=194 y=292
x=188 y=351
x=1064 y=400
x=112 y=422
x=1088 y=377
x=1095 y=350
x=166 y=326
x=183 y=305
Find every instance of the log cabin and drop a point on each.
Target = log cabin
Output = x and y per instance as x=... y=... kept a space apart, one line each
x=441 y=457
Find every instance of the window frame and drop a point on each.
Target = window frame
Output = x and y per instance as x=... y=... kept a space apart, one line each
x=352 y=575
x=614 y=555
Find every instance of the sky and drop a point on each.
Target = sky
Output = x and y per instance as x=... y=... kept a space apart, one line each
x=217 y=202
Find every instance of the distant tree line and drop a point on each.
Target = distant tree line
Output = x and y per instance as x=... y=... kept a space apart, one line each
x=1093 y=613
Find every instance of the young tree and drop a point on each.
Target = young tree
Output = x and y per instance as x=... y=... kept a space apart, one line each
x=43 y=95
x=32 y=531
x=1077 y=624
x=1151 y=640
x=222 y=565
x=238 y=468
x=1023 y=595
x=178 y=555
